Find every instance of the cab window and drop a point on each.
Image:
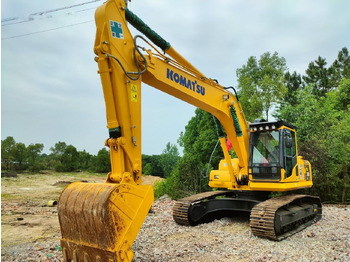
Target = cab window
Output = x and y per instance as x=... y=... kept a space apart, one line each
x=265 y=148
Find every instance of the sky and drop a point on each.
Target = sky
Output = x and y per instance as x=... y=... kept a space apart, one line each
x=51 y=92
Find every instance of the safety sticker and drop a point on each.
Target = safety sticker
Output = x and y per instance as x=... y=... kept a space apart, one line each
x=133 y=93
x=116 y=29
x=307 y=173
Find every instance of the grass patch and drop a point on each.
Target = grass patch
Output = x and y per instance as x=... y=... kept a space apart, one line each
x=41 y=187
x=7 y=196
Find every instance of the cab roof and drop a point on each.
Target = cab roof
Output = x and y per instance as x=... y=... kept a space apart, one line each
x=264 y=123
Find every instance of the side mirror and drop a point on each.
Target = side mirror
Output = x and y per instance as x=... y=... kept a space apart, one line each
x=289 y=142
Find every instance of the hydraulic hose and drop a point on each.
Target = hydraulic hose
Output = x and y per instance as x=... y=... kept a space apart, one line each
x=136 y=22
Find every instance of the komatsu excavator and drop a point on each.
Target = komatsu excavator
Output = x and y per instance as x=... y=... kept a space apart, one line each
x=100 y=221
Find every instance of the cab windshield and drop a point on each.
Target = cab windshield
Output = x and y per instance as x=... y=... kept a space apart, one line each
x=265 y=148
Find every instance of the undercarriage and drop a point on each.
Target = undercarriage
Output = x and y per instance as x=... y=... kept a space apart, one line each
x=273 y=218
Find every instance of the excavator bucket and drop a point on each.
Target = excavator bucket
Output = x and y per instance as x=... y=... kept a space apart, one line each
x=99 y=222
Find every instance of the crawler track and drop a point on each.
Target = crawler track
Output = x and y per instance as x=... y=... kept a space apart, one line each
x=281 y=217
x=182 y=206
x=276 y=218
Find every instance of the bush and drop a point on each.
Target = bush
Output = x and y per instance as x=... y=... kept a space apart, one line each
x=171 y=186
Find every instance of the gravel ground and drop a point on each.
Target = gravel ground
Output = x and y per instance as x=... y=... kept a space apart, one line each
x=228 y=239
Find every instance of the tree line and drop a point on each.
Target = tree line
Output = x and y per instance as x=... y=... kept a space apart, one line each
x=317 y=103
x=16 y=156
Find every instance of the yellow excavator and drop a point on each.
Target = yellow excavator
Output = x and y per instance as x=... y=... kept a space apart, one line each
x=100 y=221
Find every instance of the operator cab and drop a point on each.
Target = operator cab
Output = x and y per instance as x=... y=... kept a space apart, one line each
x=272 y=149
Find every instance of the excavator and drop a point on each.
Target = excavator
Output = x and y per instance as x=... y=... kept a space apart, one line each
x=100 y=221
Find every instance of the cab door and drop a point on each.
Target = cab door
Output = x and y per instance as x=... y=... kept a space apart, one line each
x=289 y=151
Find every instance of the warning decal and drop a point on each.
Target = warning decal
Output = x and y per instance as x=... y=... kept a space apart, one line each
x=133 y=93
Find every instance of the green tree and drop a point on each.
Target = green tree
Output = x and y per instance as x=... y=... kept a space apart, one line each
x=151 y=165
x=338 y=141
x=301 y=114
x=19 y=155
x=45 y=161
x=325 y=79
x=323 y=139
x=199 y=140
x=293 y=83
x=7 y=148
x=344 y=94
x=101 y=162
x=190 y=175
x=339 y=138
x=342 y=65
x=59 y=148
x=169 y=159
x=56 y=157
x=261 y=84
x=34 y=151
x=85 y=159
x=147 y=170
x=70 y=159
x=322 y=79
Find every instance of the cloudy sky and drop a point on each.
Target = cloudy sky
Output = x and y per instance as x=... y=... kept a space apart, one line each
x=50 y=90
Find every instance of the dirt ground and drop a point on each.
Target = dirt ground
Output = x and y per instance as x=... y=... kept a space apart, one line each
x=26 y=217
x=30 y=229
